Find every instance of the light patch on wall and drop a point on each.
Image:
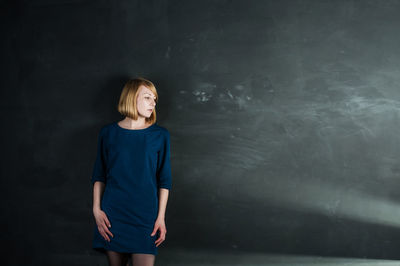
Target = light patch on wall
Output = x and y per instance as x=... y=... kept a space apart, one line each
x=167 y=53
x=204 y=92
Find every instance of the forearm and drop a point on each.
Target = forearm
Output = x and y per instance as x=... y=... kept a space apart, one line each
x=162 y=202
x=98 y=189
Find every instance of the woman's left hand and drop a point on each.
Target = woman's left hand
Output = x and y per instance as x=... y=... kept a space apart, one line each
x=159 y=225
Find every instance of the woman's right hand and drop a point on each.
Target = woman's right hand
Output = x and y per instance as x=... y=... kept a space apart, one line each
x=102 y=224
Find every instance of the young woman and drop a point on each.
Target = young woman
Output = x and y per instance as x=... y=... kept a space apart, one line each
x=131 y=180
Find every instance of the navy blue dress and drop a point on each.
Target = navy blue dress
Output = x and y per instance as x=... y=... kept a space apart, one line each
x=133 y=164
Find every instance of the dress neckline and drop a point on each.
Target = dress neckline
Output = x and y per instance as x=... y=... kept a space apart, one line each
x=133 y=130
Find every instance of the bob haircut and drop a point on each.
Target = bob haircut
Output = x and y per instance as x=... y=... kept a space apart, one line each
x=127 y=101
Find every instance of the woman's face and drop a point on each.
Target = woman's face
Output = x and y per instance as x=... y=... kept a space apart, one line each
x=145 y=101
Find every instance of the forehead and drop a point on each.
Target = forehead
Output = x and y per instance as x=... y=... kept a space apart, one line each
x=144 y=90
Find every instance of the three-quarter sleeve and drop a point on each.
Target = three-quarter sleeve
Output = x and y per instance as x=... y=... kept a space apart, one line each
x=99 y=169
x=164 y=178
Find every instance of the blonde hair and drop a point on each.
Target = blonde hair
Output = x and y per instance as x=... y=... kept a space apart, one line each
x=127 y=101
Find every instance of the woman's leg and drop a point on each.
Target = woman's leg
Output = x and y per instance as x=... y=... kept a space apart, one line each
x=117 y=258
x=139 y=259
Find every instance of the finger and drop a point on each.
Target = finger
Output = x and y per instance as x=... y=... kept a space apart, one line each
x=154 y=231
x=158 y=242
x=107 y=231
x=104 y=235
x=107 y=221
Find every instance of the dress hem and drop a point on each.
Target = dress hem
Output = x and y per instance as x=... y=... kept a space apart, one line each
x=103 y=250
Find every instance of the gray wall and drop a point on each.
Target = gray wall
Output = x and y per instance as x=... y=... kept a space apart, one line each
x=284 y=122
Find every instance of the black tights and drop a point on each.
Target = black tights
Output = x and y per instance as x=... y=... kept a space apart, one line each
x=122 y=259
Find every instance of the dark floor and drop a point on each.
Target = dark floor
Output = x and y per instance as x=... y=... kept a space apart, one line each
x=185 y=257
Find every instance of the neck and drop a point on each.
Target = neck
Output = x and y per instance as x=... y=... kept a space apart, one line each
x=140 y=122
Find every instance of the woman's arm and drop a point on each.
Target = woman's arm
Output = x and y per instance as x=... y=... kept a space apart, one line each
x=162 y=203
x=98 y=189
x=103 y=224
x=160 y=222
